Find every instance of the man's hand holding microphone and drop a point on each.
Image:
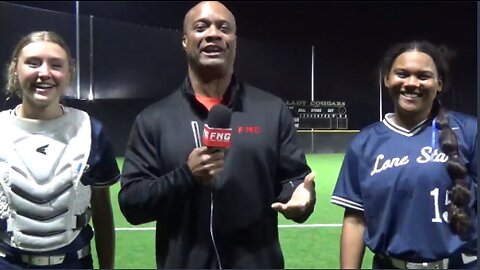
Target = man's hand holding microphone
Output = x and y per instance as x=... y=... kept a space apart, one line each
x=207 y=161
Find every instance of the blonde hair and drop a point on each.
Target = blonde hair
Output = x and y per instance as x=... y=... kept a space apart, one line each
x=13 y=86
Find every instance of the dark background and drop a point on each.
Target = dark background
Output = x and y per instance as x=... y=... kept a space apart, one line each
x=131 y=55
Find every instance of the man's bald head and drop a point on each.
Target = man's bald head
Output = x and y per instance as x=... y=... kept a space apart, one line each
x=210 y=40
x=197 y=9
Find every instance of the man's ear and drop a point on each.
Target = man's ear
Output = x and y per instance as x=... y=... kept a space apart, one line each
x=184 y=42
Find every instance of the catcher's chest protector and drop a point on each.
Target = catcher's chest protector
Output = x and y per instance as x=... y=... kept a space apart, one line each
x=42 y=201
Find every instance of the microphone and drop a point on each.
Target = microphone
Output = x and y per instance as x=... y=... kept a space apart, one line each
x=217 y=131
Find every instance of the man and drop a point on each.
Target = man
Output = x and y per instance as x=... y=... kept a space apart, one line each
x=215 y=208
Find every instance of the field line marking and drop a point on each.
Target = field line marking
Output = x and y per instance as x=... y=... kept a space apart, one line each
x=280 y=226
x=310 y=226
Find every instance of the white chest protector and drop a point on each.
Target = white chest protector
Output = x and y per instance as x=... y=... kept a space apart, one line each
x=42 y=199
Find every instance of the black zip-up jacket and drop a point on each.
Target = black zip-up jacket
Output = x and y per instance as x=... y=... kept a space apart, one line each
x=230 y=224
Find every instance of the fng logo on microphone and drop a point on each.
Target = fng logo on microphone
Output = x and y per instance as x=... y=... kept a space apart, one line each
x=217 y=136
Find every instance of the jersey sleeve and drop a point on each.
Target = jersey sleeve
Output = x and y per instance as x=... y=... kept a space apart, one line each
x=347 y=191
x=470 y=132
x=103 y=169
x=473 y=160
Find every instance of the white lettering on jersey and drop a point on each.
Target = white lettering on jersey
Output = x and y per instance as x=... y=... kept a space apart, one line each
x=435 y=194
x=426 y=155
x=389 y=163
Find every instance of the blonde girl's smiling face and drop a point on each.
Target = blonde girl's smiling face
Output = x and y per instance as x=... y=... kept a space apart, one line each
x=43 y=73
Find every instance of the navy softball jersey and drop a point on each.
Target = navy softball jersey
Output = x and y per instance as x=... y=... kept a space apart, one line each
x=400 y=182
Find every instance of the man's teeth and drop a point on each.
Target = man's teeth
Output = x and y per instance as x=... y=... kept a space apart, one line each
x=212 y=49
x=412 y=95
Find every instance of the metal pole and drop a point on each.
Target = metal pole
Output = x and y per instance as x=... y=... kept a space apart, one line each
x=77 y=21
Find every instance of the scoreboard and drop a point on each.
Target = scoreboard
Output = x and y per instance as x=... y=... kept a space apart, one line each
x=318 y=114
